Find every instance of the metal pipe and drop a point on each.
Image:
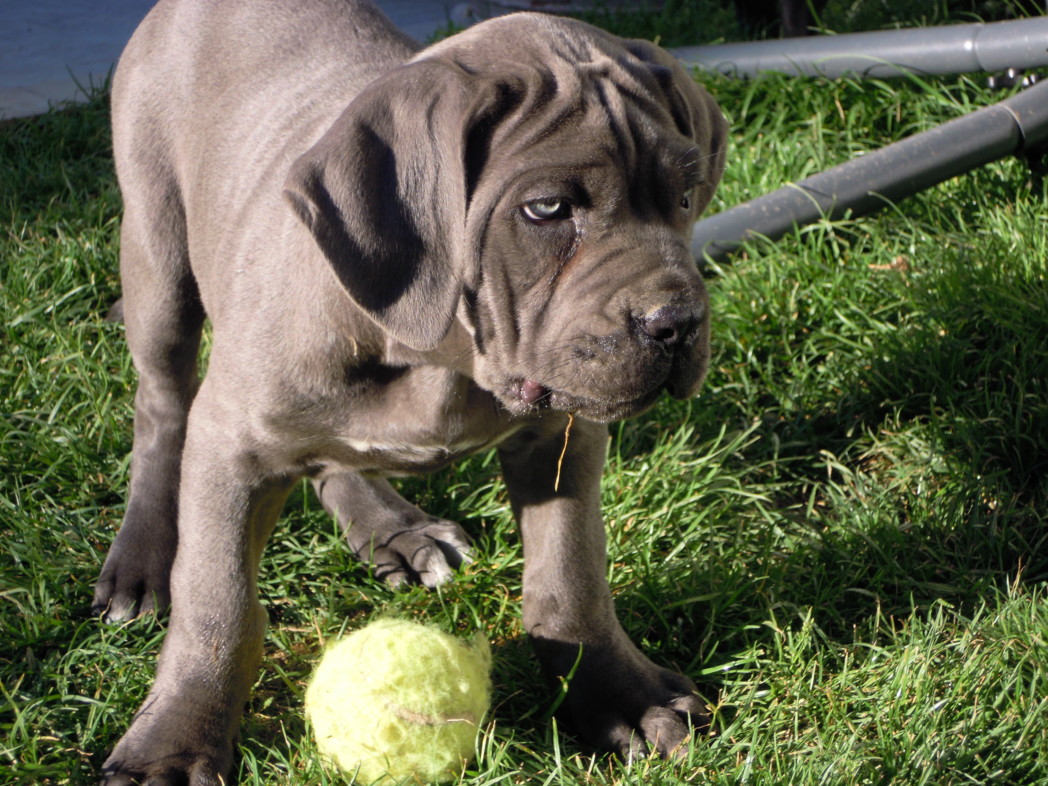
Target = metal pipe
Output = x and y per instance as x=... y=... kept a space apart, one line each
x=875 y=179
x=951 y=49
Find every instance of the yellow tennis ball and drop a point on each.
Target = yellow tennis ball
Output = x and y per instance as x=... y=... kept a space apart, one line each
x=401 y=700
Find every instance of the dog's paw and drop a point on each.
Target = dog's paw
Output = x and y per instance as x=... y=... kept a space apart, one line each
x=136 y=575
x=619 y=701
x=656 y=716
x=184 y=770
x=168 y=749
x=426 y=552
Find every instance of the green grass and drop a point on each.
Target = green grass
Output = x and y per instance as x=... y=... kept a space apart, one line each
x=843 y=539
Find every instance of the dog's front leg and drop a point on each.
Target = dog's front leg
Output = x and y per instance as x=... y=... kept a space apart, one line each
x=617 y=699
x=185 y=730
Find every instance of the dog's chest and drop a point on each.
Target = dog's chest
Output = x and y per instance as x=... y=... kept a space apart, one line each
x=414 y=456
x=422 y=423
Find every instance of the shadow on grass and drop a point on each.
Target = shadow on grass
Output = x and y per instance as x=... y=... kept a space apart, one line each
x=62 y=158
x=925 y=480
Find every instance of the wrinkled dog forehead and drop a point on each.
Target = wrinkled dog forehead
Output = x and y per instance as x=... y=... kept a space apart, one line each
x=563 y=47
x=558 y=77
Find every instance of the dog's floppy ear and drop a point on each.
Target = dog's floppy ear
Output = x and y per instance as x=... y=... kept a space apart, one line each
x=384 y=194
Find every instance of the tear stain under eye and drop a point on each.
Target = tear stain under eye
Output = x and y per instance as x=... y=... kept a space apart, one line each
x=563 y=451
x=566 y=258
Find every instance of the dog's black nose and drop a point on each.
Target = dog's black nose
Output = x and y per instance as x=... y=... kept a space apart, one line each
x=669 y=325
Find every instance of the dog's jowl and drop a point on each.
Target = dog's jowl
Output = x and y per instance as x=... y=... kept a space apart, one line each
x=405 y=256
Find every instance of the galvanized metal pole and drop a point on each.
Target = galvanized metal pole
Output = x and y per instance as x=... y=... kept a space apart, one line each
x=951 y=49
x=883 y=176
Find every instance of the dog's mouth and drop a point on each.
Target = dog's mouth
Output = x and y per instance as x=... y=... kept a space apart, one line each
x=532 y=393
x=527 y=396
x=603 y=386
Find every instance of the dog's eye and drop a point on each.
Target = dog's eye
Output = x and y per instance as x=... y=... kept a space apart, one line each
x=547 y=210
x=685 y=202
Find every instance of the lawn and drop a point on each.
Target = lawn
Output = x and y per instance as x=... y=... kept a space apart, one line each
x=843 y=539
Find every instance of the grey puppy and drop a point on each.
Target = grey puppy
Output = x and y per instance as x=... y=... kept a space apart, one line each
x=405 y=257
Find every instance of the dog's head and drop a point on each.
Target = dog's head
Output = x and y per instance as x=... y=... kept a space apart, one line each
x=535 y=180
